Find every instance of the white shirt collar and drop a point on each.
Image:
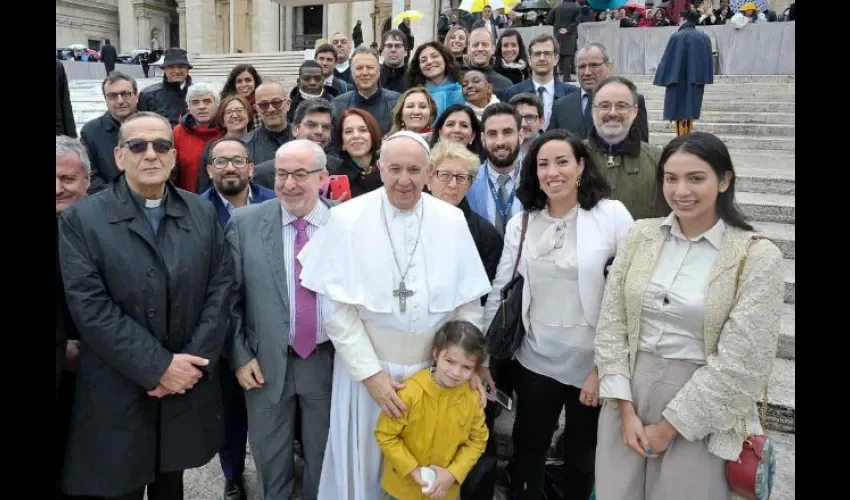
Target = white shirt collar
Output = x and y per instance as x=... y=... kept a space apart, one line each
x=341 y=67
x=550 y=87
x=315 y=217
x=713 y=235
x=227 y=203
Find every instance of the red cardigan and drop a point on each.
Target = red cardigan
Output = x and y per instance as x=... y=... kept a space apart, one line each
x=189 y=141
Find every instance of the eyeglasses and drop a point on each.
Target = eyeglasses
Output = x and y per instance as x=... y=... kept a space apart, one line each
x=446 y=176
x=621 y=107
x=220 y=162
x=274 y=103
x=299 y=175
x=590 y=66
x=311 y=125
x=530 y=118
x=234 y=112
x=542 y=53
x=113 y=96
x=138 y=146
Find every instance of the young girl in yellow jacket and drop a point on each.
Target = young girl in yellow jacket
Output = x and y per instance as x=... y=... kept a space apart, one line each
x=444 y=427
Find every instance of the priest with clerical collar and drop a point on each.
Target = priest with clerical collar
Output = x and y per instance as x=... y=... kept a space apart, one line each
x=149 y=281
x=390 y=267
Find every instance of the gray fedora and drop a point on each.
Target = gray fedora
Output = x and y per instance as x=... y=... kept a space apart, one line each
x=176 y=56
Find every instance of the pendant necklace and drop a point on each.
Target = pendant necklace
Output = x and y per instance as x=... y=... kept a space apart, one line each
x=402 y=292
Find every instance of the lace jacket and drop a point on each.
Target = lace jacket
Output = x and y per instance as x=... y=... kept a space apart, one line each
x=741 y=333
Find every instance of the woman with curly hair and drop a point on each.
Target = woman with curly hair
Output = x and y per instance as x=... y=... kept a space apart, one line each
x=433 y=67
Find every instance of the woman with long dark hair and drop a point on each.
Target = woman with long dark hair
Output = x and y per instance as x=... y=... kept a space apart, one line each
x=573 y=231
x=687 y=335
x=511 y=59
x=459 y=123
x=433 y=67
x=243 y=80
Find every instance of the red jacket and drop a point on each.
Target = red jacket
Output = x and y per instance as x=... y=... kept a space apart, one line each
x=189 y=141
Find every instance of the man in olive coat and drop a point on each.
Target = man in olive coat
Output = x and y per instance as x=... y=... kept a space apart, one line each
x=148 y=280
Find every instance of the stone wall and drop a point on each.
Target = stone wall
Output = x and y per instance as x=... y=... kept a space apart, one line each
x=78 y=21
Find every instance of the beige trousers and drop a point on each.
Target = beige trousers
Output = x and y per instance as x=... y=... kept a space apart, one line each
x=686 y=470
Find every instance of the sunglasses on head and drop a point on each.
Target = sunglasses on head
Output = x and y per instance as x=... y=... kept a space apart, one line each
x=274 y=103
x=140 y=145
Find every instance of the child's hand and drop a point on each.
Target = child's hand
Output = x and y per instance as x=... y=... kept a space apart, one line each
x=444 y=481
x=417 y=477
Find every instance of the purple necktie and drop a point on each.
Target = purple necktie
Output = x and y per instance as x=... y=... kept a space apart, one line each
x=305 y=300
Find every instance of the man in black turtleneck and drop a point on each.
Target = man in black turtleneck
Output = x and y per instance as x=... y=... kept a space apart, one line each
x=168 y=98
x=393 y=69
x=367 y=94
x=272 y=104
x=480 y=49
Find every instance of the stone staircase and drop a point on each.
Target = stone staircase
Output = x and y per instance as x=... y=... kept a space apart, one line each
x=754 y=116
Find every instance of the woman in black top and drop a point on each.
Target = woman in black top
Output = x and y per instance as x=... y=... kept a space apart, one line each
x=359 y=139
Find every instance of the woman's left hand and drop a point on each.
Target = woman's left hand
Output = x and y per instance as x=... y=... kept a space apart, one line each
x=590 y=390
x=475 y=382
x=660 y=436
x=444 y=481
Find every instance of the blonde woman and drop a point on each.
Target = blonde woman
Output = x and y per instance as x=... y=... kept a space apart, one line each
x=414 y=112
x=684 y=344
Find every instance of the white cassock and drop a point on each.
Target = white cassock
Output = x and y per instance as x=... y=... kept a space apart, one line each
x=349 y=263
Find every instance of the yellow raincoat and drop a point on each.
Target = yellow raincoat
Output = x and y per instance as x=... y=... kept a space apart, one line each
x=443 y=427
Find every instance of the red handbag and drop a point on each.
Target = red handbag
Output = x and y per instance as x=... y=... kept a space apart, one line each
x=751 y=476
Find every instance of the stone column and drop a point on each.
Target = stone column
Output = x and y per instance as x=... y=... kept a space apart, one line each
x=126 y=26
x=363 y=12
x=200 y=27
x=181 y=24
x=143 y=28
x=339 y=20
x=425 y=29
x=265 y=26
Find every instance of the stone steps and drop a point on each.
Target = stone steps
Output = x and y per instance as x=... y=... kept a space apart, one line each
x=782 y=235
x=760 y=106
x=732 y=117
x=742 y=129
x=767 y=207
x=729 y=79
x=740 y=97
x=735 y=141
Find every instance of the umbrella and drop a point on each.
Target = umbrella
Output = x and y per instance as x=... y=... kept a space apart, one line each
x=141 y=51
x=636 y=6
x=510 y=4
x=607 y=4
x=77 y=46
x=735 y=5
x=413 y=15
x=473 y=6
x=533 y=5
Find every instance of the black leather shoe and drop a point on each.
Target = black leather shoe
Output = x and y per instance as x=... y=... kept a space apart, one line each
x=234 y=490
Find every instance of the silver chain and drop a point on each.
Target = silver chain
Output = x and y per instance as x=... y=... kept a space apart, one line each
x=390 y=236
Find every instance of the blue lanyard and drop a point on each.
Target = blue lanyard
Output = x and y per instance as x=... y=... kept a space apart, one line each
x=504 y=210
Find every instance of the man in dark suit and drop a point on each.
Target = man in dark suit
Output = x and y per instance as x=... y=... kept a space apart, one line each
x=564 y=19
x=543 y=56
x=573 y=113
x=109 y=56
x=313 y=122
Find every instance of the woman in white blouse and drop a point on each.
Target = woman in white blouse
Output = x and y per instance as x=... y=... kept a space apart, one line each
x=573 y=229
x=682 y=357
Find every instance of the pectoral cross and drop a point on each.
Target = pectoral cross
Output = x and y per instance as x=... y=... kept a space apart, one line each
x=402 y=293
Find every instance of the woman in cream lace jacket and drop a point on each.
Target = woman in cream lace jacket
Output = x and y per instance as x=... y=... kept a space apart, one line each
x=682 y=359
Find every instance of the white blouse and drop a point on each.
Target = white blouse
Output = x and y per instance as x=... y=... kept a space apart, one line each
x=672 y=318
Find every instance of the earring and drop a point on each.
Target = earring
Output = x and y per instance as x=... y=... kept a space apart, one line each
x=578 y=182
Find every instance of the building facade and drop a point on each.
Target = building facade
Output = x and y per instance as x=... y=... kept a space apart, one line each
x=227 y=26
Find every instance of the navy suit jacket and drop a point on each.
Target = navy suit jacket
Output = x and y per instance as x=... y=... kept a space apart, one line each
x=527 y=87
x=260 y=194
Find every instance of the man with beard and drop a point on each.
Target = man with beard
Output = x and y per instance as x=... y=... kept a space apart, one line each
x=492 y=194
x=231 y=171
x=630 y=164
x=310 y=87
x=573 y=113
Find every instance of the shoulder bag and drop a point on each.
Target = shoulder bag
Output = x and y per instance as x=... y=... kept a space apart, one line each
x=507 y=331
x=751 y=476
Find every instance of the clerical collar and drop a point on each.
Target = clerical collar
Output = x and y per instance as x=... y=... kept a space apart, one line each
x=153 y=203
x=343 y=66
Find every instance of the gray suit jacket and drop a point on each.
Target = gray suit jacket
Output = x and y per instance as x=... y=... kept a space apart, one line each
x=568 y=115
x=260 y=317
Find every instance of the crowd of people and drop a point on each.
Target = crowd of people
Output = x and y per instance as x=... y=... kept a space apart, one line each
x=314 y=271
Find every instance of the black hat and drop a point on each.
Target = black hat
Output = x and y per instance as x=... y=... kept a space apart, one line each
x=175 y=56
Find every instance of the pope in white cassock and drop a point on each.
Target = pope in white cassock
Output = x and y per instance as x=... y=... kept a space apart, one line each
x=390 y=267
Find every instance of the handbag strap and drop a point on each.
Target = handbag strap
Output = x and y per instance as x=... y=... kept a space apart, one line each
x=763 y=416
x=521 y=241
